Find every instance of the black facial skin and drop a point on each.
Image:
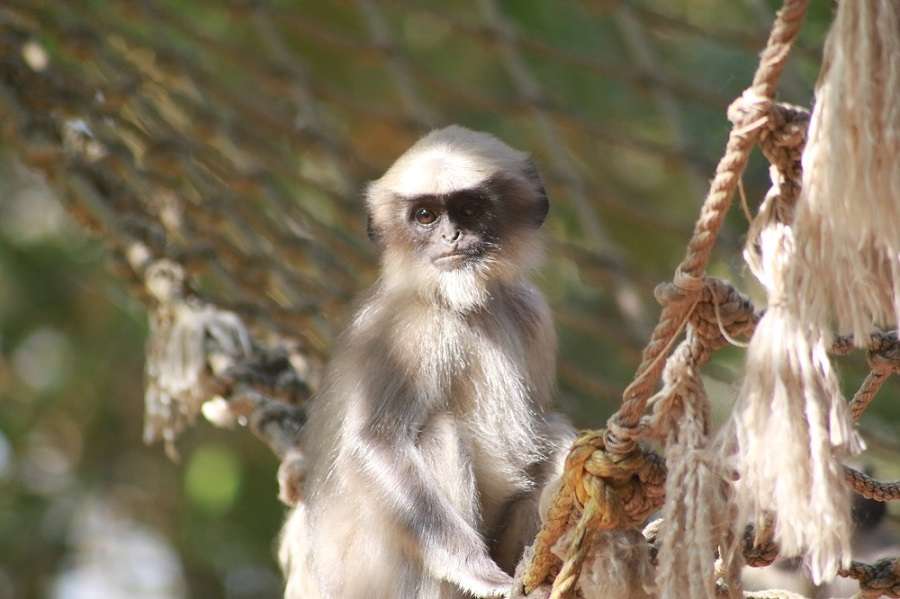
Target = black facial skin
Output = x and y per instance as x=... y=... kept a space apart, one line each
x=454 y=229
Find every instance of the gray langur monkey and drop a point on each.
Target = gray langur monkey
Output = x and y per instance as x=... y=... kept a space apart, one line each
x=431 y=437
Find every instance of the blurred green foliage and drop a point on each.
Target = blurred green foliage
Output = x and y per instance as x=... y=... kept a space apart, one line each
x=642 y=141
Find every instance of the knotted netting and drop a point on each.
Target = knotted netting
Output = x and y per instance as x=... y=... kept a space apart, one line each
x=220 y=154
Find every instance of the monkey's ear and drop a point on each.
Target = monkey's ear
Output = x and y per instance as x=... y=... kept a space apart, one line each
x=542 y=202
x=368 y=202
x=371 y=231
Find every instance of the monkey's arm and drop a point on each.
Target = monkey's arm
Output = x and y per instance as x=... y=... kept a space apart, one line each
x=450 y=547
x=521 y=519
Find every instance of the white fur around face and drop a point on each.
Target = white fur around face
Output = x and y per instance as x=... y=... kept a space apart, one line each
x=461 y=290
x=447 y=160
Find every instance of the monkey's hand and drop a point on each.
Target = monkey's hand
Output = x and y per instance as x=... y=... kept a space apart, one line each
x=473 y=571
x=484 y=578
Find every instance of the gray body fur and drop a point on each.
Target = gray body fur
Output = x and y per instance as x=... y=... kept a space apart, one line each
x=430 y=439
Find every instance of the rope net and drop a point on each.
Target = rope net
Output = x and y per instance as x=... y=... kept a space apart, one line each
x=219 y=153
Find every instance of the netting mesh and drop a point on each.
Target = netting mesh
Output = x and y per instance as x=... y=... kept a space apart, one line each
x=221 y=151
x=237 y=141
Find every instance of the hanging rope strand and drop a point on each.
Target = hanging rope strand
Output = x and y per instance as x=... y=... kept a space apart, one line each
x=747 y=114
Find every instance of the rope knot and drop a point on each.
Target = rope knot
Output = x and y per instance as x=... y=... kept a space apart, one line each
x=782 y=142
x=758 y=544
x=884 y=353
x=749 y=112
x=722 y=314
x=601 y=491
x=631 y=478
x=165 y=280
x=684 y=287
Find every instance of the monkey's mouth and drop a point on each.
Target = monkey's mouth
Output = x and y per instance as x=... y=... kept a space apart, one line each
x=457 y=259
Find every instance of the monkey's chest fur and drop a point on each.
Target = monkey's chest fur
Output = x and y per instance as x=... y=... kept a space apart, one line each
x=427 y=407
x=474 y=371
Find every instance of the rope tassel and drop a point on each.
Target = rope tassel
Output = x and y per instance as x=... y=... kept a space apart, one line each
x=791 y=430
x=848 y=217
x=790 y=427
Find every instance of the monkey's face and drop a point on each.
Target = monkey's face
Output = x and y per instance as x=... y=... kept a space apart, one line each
x=454 y=230
x=457 y=211
x=485 y=227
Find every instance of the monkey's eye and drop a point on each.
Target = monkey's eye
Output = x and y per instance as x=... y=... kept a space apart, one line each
x=424 y=216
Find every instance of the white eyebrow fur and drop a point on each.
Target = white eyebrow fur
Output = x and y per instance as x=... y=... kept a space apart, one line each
x=447 y=160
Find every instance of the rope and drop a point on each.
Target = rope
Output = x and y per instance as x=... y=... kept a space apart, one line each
x=867 y=391
x=758 y=545
x=870 y=488
x=881 y=579
x=617 y=444
x=883 y=358
x=603 y=491
x=748 y=113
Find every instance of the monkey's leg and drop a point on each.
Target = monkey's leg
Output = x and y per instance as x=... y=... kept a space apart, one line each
x=516 y=530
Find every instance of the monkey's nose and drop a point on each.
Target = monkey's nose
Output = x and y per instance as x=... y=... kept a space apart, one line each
x=451 y=237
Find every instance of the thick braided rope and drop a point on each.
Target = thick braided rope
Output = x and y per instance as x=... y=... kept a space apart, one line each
x=867 y=391
x=598 y=492
x=618 y=444
x=603 y=491
x=597 y=515
x=748 y=114
x=719 y=316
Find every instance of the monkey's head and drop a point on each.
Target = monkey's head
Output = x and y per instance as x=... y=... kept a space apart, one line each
x=458 y=211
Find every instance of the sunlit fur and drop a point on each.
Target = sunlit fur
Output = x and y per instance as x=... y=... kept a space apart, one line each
x=431 y=437
x=444 y=161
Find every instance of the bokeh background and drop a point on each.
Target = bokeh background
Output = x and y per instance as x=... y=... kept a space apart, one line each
x=235 y=138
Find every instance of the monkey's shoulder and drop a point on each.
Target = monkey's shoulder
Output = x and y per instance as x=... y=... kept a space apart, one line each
x=525 y=304
x=511 y=336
